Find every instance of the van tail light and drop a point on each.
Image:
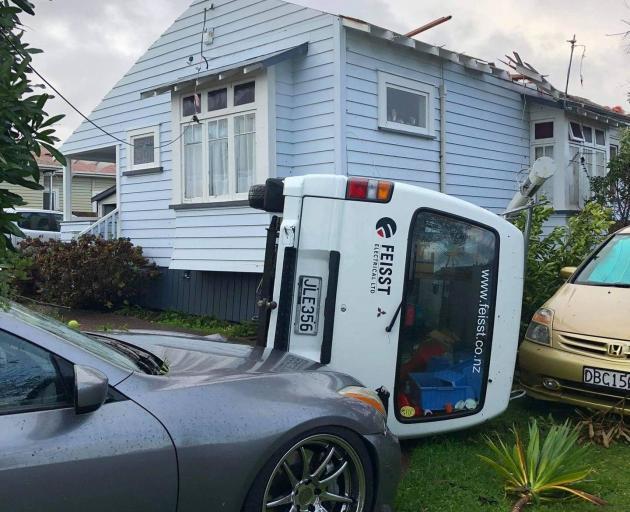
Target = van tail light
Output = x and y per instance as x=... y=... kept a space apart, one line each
x=365 y=189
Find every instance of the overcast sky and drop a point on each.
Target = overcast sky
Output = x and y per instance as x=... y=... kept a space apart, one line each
x=89 y=44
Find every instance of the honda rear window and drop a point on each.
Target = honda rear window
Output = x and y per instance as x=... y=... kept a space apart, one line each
x=446 y=318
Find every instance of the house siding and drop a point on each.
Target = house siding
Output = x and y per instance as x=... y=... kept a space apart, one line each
x=487 y=135
x=243 y=29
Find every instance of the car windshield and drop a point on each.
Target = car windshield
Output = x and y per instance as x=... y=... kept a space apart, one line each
x=96 y=347
x=610 y=266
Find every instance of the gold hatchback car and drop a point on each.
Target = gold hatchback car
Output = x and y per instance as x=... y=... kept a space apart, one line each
x=577 y=346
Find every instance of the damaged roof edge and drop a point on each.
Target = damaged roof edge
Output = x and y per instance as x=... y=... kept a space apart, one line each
x=467 y=61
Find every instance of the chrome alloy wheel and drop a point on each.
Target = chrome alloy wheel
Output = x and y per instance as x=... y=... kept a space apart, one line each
x=321 y=473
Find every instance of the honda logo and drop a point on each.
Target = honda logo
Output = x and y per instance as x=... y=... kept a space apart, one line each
x=615 y=350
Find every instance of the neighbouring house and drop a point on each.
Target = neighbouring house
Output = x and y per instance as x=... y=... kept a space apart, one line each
x=104 y=202
x=236 y=91
x=89 y=178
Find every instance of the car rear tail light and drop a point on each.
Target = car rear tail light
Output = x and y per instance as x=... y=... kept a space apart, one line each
x=365 y=189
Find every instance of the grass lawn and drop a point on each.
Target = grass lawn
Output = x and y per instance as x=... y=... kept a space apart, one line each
x=445 y=474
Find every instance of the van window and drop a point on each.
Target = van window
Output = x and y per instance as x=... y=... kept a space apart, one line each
x=446 y=318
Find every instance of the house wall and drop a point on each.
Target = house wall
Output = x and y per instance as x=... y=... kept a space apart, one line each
x=487 y=134
x=219 y=239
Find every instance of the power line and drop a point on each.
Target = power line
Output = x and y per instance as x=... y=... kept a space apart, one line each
x=71 y=105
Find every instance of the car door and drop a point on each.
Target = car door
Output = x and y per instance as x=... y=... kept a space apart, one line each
x=118 y=457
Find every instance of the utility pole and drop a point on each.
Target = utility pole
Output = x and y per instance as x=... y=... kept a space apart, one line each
x=566 y=87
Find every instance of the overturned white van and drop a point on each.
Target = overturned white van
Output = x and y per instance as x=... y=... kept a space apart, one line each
x=407 y=289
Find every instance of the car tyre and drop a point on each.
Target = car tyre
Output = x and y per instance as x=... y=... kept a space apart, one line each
x=328 y=465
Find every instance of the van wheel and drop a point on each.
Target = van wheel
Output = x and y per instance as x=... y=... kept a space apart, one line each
x=256 y=197
x=325 y=470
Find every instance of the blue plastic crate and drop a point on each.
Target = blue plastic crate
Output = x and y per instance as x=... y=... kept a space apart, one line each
x=435 y=398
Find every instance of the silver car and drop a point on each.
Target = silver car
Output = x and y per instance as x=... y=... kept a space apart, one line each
x=143 y=421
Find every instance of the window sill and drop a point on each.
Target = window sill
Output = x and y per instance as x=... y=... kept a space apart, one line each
x=206 y=206
x=142 y=172
x=402 y=130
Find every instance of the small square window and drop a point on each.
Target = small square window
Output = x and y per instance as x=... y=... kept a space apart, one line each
x=588 y=133
x=543 y=130
x=217 y=100
x=405 y=105
x=244 y=93
x=575 y=132
x=143 y=150
x=191 y=105
x=600 y=138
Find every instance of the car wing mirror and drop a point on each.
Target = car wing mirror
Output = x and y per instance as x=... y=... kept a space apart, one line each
x=567 y=272
x=90 y=389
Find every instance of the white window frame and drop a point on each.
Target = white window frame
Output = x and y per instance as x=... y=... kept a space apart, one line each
x=547 y=140
x=386 y=80
x=260 y=107
x=143 y=132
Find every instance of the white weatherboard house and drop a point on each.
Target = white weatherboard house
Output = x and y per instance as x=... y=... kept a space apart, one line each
x=283 y=90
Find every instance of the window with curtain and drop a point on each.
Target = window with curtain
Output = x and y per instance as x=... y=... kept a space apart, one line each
x=219 y=144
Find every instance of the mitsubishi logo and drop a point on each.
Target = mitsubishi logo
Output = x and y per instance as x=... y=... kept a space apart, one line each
x=615 y=350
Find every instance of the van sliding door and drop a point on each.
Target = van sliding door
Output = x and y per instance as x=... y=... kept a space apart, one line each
x=446 y=318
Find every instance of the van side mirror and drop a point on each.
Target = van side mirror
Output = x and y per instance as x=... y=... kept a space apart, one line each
x=567 y=272
x=90 y=389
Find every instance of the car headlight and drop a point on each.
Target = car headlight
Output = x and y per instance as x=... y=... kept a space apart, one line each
x=365 y=395
x=539 y=330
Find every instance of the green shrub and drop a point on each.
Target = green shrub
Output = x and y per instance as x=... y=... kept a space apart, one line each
x=89 y=273
x=564 y=246
x=13 y=274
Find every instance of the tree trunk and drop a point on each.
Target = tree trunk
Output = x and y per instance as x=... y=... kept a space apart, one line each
x=520 y=504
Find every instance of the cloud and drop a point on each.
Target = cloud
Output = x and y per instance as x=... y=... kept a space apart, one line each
x=89 y=45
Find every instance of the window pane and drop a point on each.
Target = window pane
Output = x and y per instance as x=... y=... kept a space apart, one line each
x=543 y=130
x=573 y=183
x=406 y=107
x=600 y=163
x=600 y=139
x=193 y=173
x=612 y=264
x=446 y=325
x=244 y=93
x=245 y=151
x=217 y=100
x=218 y=157
x=191 y=105
x=614 y=150
x=30 y=379
x=143 y=150
x=575 y=130
x=24 y=220
x=588 y=133
x=547 y=189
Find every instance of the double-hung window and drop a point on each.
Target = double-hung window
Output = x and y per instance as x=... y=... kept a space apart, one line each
x=587 y=151
x=220 y=151
x=543 y=145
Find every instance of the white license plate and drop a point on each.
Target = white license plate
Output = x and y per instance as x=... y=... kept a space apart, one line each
x=307 y=309
x=606 y=378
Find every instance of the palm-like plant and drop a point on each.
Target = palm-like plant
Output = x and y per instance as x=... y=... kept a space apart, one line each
x=542 y=471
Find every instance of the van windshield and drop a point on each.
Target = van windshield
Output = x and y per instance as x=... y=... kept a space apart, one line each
x=610 y=266
x=446 y=318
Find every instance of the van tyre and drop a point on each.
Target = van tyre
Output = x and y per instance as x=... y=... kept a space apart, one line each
x=326 y=468
x=256 y=197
